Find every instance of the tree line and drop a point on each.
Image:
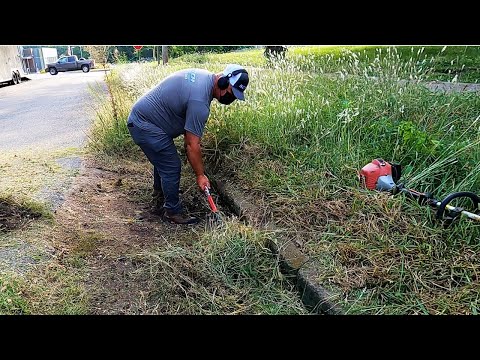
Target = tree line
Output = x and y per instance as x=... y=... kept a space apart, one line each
x=148 y=52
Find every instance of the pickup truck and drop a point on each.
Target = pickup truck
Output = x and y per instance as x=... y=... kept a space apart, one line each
x=70 y=63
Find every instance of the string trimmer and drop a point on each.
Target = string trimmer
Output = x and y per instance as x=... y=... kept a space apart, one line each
x=383 y=176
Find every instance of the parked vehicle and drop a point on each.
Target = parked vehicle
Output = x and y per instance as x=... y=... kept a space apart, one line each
x=11 y=70
x=70 y=63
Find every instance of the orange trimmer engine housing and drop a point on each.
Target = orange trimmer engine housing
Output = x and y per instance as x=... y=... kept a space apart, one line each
x=377 y=175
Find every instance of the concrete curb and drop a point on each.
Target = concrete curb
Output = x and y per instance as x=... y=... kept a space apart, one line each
x=292 y=261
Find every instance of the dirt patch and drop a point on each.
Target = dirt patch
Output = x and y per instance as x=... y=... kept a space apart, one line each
x=106 y=229
x=13 y=216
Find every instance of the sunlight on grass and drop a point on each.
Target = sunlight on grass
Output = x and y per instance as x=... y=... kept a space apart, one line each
x=310 y=122
x=26 y=173
x=228 y=271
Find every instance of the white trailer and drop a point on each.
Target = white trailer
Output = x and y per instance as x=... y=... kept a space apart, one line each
x=11 y=69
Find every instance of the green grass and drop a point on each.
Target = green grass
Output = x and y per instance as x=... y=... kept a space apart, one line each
x=56 y=290
x=26 y=206
x=27 y=173
x=228 y=271
x=459 y=63
x=252 y=57
x=11 y=300
x=52 y=290
x=34 y=284
x=403 y=264
x=302 y=136
x=299 y=118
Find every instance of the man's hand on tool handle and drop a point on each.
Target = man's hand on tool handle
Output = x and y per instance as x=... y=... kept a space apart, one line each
x=203 y=182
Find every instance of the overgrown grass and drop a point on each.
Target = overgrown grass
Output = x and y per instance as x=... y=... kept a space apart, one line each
x=109 y=132
x=301 y=138
x=445 y=63
x=228 y=271
x=401 y=264
x=300 y=117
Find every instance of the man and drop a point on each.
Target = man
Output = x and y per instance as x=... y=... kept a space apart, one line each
x=180 y=105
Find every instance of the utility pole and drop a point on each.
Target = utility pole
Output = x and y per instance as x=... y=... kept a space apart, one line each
x=164 y=54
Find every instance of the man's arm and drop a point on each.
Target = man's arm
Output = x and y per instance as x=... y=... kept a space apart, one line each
x=194 y=155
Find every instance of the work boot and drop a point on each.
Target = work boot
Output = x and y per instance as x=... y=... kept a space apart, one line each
x=179 y=218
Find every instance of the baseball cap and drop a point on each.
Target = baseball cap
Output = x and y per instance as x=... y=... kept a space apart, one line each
x=239 y=81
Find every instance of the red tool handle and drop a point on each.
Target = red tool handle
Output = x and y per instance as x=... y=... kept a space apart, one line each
x=210 y=201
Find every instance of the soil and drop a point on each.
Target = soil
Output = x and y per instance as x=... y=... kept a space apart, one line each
x=105 y=227
x=13 y=216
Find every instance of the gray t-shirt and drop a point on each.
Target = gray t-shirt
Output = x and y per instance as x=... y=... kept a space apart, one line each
x=180 y=102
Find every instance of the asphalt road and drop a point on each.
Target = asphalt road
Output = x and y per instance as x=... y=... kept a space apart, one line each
x=48 y=111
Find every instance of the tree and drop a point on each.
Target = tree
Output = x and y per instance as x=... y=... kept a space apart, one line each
x=127 y=51
x=100 y=53
x=116 y=55
x=164 y=54
x=275 y=52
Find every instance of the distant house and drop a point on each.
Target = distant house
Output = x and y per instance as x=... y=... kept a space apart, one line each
x=35 y=59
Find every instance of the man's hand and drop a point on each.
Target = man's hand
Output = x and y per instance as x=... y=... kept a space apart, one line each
x=203 y=182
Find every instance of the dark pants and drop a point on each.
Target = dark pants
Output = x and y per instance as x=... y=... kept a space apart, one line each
x=157 y=180
x=166 y=167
